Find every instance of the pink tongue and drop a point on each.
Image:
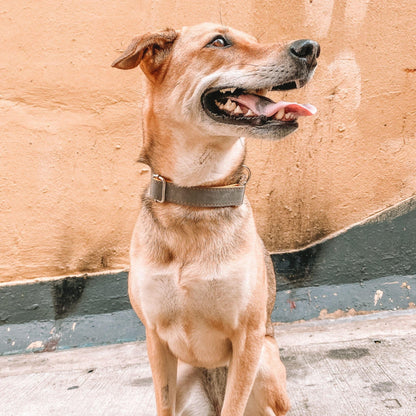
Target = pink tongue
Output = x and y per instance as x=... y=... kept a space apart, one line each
x=267 y=108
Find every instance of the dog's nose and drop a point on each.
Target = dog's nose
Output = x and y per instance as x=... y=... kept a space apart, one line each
x=305 y=49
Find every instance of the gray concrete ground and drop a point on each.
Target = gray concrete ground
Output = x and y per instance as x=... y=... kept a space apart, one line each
x=364 y=365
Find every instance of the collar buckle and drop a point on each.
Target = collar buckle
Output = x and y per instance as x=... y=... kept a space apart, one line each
x=163 y=192
x=248 y=175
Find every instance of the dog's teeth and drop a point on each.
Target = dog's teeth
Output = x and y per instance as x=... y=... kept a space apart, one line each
x=280 y=114
x=230 y=106
x=297 y=82
x=290 y=116
x=219 y=105
x=238 y=110
x=249 y=113
x=226 y=90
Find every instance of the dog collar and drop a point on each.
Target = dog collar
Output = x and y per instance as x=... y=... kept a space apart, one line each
x=162 y=190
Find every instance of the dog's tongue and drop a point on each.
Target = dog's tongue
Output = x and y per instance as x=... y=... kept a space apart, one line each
x=265 y=107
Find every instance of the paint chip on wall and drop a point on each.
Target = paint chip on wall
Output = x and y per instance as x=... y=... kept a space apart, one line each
x=35 y=345
x=378 y=295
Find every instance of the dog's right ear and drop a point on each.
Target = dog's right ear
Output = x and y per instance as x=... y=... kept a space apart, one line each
x=149 y=50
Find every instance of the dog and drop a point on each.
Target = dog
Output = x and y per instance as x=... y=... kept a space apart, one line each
x=200 y=279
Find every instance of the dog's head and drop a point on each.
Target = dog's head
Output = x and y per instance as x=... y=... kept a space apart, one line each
x=217 y=78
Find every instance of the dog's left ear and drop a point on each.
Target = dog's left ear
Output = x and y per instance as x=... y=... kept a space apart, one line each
x=149 y=50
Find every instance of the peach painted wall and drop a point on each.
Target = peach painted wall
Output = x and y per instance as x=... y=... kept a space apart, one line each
x=70 y=124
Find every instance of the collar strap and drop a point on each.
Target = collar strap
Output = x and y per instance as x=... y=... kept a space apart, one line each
x=161 y=190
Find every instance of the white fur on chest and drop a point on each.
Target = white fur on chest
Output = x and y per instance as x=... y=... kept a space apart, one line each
x=192 y=307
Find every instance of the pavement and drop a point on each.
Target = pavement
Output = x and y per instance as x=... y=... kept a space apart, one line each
x=361 y=365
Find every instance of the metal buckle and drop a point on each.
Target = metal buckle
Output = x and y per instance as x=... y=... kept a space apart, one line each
x=248 y=174
x=163 y=180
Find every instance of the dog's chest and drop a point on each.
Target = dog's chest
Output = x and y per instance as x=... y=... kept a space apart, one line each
x=193 y=308
x=178 y=293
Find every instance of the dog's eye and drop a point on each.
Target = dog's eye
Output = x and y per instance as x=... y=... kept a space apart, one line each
x=219 y=42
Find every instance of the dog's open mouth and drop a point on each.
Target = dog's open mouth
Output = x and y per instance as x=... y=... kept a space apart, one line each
x=251 y=107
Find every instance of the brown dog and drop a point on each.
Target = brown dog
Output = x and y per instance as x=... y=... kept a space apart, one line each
x=200 y=279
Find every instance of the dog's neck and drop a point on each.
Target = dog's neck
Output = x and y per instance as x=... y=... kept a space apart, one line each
x=190 y=158
x=208 y=163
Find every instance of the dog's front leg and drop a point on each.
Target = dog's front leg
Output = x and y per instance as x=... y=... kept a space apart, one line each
x=164 y=369
x=246 y=352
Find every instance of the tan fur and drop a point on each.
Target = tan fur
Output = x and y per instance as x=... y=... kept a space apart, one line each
x=200 y=279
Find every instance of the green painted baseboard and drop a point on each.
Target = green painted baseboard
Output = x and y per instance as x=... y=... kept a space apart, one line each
x=370 y=267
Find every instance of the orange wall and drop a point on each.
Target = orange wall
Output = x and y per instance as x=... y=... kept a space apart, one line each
x=70 y=124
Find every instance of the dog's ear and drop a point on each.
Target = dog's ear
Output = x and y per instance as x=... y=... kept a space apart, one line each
x=149 y=50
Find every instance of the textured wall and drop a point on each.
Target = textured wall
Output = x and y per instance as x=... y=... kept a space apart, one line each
x=70 y=124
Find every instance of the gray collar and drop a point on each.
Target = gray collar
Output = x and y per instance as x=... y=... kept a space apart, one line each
x=162 y=190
